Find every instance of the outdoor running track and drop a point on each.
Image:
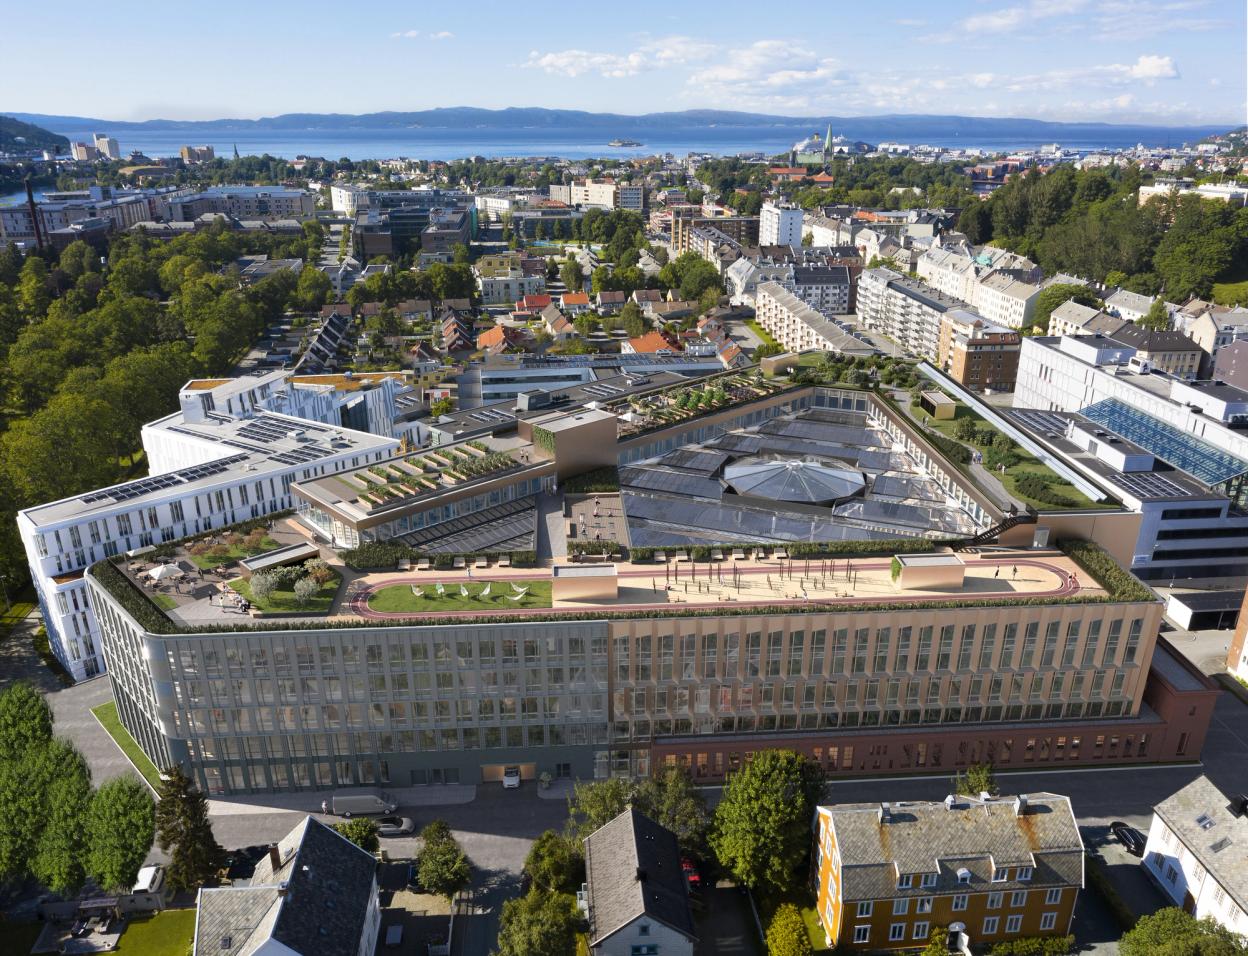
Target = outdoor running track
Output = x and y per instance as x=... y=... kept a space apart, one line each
x=358 y=602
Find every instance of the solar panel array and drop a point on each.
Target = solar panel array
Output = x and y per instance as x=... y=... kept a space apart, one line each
x=1149 y=484
x=1045 y=423
x=670 y=482
x=145 y=486
x=1198 y=458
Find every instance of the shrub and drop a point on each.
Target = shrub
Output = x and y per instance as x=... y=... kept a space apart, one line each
x=1034 y=946
x=305 y=590
x=318 y=570
x=1118 y=583
x=605 y=479
x=954 y=451
x=786 y=933
x=262 y=586
x=375 y=555
x=523 y=559
x=443 y=561
x=894 y=567
x=639 y=555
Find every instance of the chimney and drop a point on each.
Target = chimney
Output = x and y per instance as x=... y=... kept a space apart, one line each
x=641 y=874
x=282 y=888
x=1020 y=805
x=886 y=813
x=275 y=857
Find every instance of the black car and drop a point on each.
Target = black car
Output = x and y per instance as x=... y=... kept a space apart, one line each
x=1131 y=839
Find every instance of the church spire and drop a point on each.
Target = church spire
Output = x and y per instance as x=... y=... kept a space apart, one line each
x=827 y=141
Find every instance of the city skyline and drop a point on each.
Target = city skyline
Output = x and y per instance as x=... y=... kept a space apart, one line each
x=1167 y=61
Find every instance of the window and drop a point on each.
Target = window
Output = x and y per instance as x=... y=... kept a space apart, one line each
x=1053 y=896
x=921 y=930
x=923 y=904
x=990 y=925
x=1000 y=875
x=864 y=909
x=646 y=949
x=862 y=934
x=643 y=929
x=1024 y=874
x=905 y=881
x=1048 y=921
x=902 y=906
x=994 y=901
x=959 y=902
x=896 y=931
x=928 y=879
x=1013 y=923
x=1018 y=898
x=964 y=876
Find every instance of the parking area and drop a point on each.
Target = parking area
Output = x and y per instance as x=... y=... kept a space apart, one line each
x=726 y=927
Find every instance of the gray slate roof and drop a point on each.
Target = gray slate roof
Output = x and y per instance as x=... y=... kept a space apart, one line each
x=974 y=834
x=632 y=870
x=329 y=887
x=1228 y=863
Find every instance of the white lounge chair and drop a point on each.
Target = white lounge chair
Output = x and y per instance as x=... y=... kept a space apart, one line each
x=418 y=591
x=459 y=561
x=717 y=555
x=482 y=563
x=514 y=597
x=518 y=589
x=463 y=591
x=660 y=557
x=505 y=561
x=422 y=564
x=485 y=591
x=441 y=590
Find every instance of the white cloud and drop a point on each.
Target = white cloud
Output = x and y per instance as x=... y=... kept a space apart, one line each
x=405 y=35
x=1009 y=19
x=653 y=54
x=442 y=35
x=1149 y=67
x=910 y=22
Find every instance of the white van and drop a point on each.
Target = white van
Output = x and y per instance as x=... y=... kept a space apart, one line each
x=348 y=803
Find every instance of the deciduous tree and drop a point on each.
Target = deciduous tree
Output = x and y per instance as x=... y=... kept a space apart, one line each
x=538 y=923
x=120 y=825
x=556 y=863
x=362 y=832
x=786 y=933
x=1173 y=932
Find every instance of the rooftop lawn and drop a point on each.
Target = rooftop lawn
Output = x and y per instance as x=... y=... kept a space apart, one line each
x=1027 y=464
x=168 y=933
x=282 y=600
x=107 y=715
x=231 y=553
x=398 y=598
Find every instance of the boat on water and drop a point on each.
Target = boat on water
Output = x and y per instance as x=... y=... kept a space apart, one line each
x=625 y=142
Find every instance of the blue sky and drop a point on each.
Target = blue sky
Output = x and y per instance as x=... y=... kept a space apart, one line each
x=1155 y=61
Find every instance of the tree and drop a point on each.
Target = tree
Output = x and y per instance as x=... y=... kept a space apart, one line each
x=184 y=832
x=1173 y=932
x=1055 y=295
x=538 y=922
x=305 y=590
x=594 y=803
x=937 y=942
x=120 y=825
x=58 y=858
x=632 y=320
x=570 y=273
x=442 y=867
x=362 y=832
x=25 y=721
x=441 y=406
x=761 y=832
x=672 y=800
x=312 y=290
x=263 y=585
x=1157 y=317
x=556 y=863
x=786 y=933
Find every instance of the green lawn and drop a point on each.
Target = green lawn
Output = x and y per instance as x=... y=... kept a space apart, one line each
x=762 y=333
x=232 y=553
x=399 y=597
x=106 y=714
x=19 y=938
x=283 y=601
x=168 y=933
x=1230 y=293
x=163 y=601
x=22 y=605
x=1027 y=464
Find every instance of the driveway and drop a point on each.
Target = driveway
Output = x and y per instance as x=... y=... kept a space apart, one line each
x=727 y=927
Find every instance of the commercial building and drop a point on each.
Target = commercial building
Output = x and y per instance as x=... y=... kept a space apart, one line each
x=848 y=666
x=635 y=898
x=780 y=224
x=1192 y=853
x=229 y=455
x=122 y=208
x=349 y=199
x=83 y=152
x=981 y=869
x=314 y=893
x=245 y=202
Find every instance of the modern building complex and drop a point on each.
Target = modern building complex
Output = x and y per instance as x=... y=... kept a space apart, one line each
x=1192 y=853
x=245 y=202
x=117 y=209
x=981 y=869
x=600 y=194
x=667 y=666
x=229 y=455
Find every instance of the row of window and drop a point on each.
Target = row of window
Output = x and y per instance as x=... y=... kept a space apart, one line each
x=923 y=904
x=921 y=930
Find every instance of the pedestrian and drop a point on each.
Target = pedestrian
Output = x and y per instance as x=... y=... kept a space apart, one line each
x=325 y=807
x=1016 y=572
x=997 y=573
x=470 y=574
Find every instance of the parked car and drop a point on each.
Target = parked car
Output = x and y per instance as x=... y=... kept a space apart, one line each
x=348 y=803
x=692 y=876
x=511 y=778
x=1131 y=839
x=395 y=826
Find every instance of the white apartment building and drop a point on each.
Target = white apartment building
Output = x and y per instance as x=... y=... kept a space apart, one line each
x=1231 y=193
x=501 y=288
x=494 y=206
x=220 y=460
x=779 y=224
x=245 y=202
x=107 y=146
x=798 y=327
x=596 y=193
x=1000 y=286
x=1128 y=306
x=906 y=310
x=1194 y=853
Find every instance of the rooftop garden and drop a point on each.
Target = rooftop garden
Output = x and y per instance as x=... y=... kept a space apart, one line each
x=426 y=472
x=491 y=595
x=968 y=439
x=643 y=413
x=307 y=588
x=213 y=552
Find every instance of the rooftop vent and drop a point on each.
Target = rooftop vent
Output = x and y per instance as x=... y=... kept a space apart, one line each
x=1020 y=805
x=1205 y=822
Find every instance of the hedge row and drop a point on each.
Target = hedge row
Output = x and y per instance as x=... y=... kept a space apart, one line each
x=955 y=451
x=1119 y=584
x=135 y=602
x=594 y=547
x=1034 y=946
x=603 y=480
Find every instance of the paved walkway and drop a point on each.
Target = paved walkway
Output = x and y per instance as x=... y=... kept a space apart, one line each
x=18 y=659
x=552 y=540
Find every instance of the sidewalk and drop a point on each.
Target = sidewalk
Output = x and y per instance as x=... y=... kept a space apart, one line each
x=309 y=801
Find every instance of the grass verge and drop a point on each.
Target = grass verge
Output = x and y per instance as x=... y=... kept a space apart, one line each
x=110 y=720
x=169 y=933
x=17 y=612
x=283 y=601
x=1099 y=880
x=762 y=333
x=767 y=906
x=44 y=650
x=398 y=598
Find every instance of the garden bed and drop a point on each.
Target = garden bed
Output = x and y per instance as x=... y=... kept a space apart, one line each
x=282 y=600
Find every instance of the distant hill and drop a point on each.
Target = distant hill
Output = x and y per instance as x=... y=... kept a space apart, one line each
x=16 y=134
x=870 y=128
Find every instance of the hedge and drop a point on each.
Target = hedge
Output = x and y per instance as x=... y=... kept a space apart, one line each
x=375 y=555
x=168 y=549
x=1034 y=946
x=605 y=479
x=955 y=451
x=1100 y=881
x=594 y=547
x=1119 y=584
x=802 y=549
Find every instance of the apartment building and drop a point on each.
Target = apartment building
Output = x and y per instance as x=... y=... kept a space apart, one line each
x=600 y=194
x=976 y=353
x=825 y=288
x=121 y=208
x=84 y=152
x=223 y=458
x=999 y=285
x=245 y=202
x=106 y=146
x=983 y=870
x=780 y=224
x=742 y=230
x=798 y=326
x=501 y=279
x=1192 y=853
x=906 y=310
x=1231 y=193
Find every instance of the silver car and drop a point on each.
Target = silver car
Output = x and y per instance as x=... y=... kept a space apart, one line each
x=395 y=826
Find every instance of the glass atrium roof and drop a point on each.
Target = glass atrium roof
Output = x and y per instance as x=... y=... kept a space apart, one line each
x=1197 y=457
x=793 y=480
